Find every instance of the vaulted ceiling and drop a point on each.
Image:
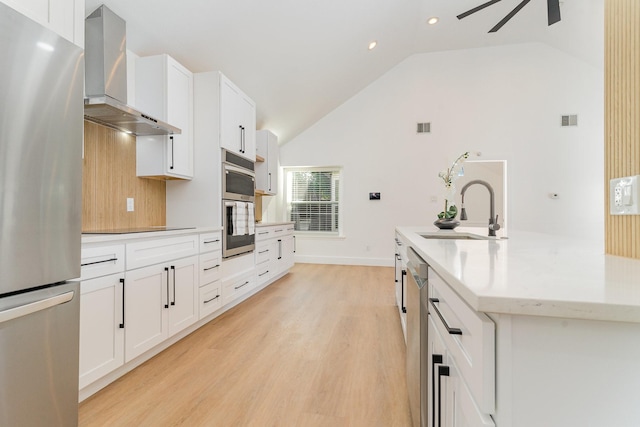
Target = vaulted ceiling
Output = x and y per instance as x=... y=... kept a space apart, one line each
x=300 y=59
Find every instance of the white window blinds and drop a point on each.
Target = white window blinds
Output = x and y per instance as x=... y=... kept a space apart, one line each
x=313 y=199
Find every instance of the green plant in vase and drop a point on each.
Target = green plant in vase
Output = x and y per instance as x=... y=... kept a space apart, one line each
x=446 y=218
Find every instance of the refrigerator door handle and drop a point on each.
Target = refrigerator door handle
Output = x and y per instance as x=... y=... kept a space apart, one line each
x=25 y=310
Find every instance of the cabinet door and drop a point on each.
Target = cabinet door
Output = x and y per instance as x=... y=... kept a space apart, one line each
x=237 y=121
x=179 y=113
x=230 y=126
x=101 y=327
x=61 y=16
x=183 y=282
x=461 y=409
x=437 y=378
x=247 y=115
x=272 y=165
x=288 y=250
x=146 y=304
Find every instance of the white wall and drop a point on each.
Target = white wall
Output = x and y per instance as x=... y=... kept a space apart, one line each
x=504 y=102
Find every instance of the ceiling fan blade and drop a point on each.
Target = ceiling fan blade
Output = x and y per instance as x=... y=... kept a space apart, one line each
x=476 y=9
x=553 y=11
x=509 y=16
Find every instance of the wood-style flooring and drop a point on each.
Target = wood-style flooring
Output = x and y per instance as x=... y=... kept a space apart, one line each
x=320 y=347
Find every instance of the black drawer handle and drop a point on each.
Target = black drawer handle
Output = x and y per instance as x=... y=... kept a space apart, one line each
x=98 y=262
x=443 y=371
x=209 y=300
x=206 y=242
x=211 y=268
x=244 y=284
x=264 y=232
x=436 y=359
x=259 y=275
x=122 y=324
x=265 y=251
x=452 y=331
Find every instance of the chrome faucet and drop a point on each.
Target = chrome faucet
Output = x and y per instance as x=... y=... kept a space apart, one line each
x=493 y=220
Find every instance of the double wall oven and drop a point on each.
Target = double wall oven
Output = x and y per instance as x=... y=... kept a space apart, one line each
x=238 y=196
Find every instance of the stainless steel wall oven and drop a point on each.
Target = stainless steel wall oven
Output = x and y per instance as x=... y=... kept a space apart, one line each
x=238 y=195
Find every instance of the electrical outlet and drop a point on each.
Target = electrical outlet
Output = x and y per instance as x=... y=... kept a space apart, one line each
x=129 y=204
x=624 y=195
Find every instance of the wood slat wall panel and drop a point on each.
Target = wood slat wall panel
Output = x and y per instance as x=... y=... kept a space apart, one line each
x=109 y=178
x=622 y=117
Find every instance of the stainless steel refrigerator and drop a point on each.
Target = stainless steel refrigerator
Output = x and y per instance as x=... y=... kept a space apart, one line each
x=41 y=126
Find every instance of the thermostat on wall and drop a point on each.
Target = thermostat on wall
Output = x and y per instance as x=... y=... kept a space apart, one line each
x=374 y=196
x=624 y=195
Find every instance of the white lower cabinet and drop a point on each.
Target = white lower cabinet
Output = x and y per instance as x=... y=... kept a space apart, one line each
x=101 y=327
x=210 y=298
x=101 y=311
x=160 y=301
x=236 y=286
x=461 y=356
x=275 y=250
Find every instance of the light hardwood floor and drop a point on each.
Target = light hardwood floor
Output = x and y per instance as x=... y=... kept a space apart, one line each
x=320 y=347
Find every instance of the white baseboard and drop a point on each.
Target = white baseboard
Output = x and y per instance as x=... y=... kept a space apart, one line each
x=375 y=262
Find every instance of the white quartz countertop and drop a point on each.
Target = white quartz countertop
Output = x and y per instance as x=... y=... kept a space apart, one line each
x=269 y=224
x=533 y=274
x=100 y=238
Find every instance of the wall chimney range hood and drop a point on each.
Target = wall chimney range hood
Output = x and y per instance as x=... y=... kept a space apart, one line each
x=106 y=78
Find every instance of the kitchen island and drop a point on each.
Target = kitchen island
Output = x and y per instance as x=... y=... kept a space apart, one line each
x=550 y=329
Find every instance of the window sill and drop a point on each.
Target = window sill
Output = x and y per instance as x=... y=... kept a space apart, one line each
x=318 y=236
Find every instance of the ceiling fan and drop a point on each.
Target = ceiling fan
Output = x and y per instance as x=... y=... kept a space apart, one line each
x=553 y=12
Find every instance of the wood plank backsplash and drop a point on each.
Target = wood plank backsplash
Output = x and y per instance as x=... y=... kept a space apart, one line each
x=622 y=117
x=109 y=178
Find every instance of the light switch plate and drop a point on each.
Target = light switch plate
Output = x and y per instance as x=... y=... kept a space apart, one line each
x=129 y=204
x=624 y=195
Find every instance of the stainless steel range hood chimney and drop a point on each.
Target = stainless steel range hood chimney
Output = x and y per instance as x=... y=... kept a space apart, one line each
x=106 y=78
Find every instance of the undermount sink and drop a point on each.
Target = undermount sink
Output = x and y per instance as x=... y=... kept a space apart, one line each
x=457 y=236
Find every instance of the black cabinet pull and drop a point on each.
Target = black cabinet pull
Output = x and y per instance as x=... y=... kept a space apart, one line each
x=209 y=300
x=279 y=248
x=166 y=270
x=211 y=268
x=269 y=181
x=240 y=128
x=436 y=359
x=122 y=324
x=244 y=284
x=443 y=371
x=395 y=266
x=404 y=308
x=295 y=244
x=98 y=262
x=260 y=275
x=173 y=268
x=206 y=242
x=264 y=252
x=171 y=138
x=452 y=331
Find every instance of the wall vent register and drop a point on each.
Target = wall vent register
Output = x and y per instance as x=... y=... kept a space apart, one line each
x=424 y=127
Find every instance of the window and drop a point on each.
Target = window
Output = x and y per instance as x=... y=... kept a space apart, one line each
x=313 y=199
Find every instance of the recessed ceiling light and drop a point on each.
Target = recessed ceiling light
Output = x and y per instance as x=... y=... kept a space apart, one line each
x=373 y=45
x=433 y=20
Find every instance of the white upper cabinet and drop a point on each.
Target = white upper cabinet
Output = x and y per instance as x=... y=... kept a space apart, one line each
x=65 y=17
x=267 y=171
x=237 y=120
x=164 y=88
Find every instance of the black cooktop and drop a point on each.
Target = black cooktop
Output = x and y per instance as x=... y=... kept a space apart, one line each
x=136 y=230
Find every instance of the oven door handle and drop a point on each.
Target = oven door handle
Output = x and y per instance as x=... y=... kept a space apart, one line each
x=229 y=168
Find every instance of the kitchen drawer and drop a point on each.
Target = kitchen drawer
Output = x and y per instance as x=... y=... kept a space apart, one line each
x=101 y=261
x=210 y=299
x=149 y=252
x=264 y=252
x=210 y=267
x=239 y=285
x=263 y=233
x=264 y=272
x=473 y=350
x=210 y=242
x=461 y=404
x=279 y=231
